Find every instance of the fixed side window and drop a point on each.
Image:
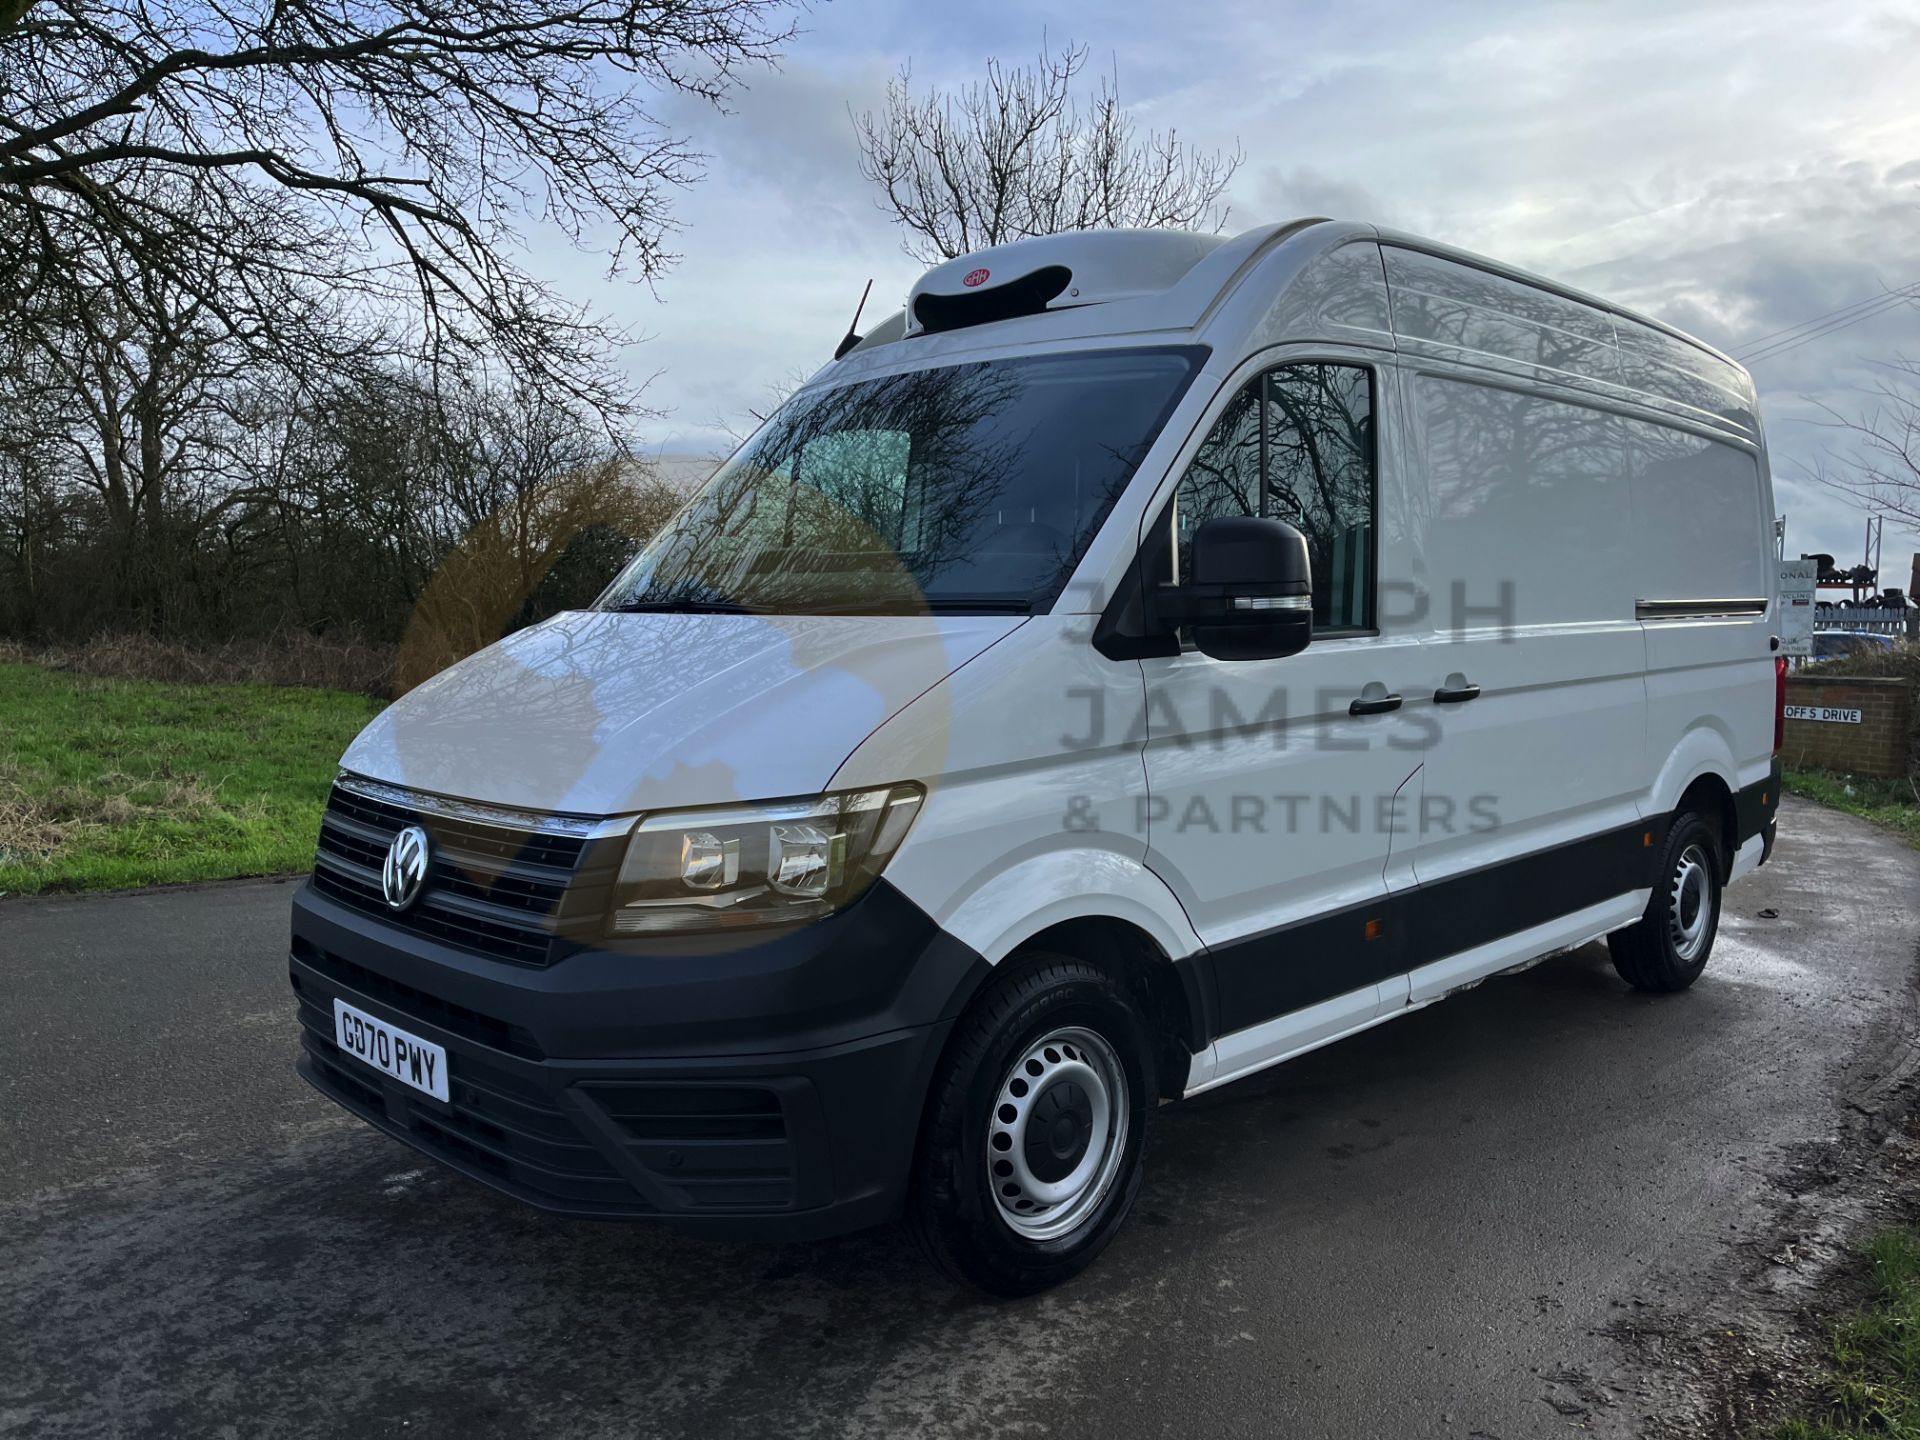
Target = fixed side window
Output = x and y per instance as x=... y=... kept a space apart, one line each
x=1297 y=444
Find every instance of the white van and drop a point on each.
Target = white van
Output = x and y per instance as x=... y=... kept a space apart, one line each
x=1146 y=657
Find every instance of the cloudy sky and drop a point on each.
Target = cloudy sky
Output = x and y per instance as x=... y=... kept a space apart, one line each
x=1734 y=169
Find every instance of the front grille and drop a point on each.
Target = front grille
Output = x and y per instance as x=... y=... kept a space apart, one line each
x=494 y=889
x=404 y=999
x=553 y=851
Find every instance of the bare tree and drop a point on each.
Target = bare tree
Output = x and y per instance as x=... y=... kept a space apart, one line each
x=1019 y=154
x=536 y=486
x=1881 y=469
x=380 y=153
x=32 y=508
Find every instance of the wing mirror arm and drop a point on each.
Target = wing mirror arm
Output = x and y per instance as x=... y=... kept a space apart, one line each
x=1250 y=596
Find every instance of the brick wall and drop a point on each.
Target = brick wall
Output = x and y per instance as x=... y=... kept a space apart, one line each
x=1876 y=746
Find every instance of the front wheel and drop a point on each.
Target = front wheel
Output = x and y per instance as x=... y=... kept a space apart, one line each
x=1036 y=1128
x=1667 y=949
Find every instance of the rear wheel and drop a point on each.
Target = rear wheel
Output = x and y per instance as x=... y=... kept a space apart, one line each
x=1036 y=1126
x=1668 y=947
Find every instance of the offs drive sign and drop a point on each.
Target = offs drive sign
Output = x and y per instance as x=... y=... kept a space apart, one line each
x=1828 y=714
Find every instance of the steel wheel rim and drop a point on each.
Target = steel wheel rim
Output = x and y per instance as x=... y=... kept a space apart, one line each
x=1068 y=1074
x=1689 y=904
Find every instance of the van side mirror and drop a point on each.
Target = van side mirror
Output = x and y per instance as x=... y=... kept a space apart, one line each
x=1250 y=593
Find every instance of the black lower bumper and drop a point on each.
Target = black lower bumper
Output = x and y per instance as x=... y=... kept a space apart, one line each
x=567 y=1088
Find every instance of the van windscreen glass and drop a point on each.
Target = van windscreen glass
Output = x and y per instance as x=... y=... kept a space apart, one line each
x=965 y=487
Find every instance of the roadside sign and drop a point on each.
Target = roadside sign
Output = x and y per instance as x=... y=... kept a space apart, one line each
x=1828 y=714
x=1797 y=579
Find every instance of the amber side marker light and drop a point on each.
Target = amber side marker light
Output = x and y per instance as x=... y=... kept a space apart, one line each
x=1375 y=929
x=1646 y=841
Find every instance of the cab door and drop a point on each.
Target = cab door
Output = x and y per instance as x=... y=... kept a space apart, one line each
x=1276 y=788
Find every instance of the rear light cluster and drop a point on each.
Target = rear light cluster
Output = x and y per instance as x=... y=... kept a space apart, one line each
x=1779 y=703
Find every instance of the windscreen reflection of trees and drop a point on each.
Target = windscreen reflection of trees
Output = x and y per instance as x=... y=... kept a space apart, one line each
x=1315 y=453
x=981 y=483
x=816 y=509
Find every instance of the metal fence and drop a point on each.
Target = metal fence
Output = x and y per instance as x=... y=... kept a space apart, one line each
x=1874 y=622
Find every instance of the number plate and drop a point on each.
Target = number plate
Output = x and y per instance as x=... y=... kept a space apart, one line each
x=390 y=1050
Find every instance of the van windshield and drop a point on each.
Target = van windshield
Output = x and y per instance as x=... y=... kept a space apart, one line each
x=965 y=487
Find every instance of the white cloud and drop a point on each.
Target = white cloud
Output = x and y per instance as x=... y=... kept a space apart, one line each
x=1733 y=168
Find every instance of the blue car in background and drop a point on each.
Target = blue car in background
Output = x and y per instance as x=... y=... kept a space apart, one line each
x=1832 y=644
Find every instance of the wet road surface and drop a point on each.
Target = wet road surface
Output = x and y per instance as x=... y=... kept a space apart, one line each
x=1431 y=1229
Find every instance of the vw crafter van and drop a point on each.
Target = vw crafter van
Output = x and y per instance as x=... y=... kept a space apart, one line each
x=1144 y=658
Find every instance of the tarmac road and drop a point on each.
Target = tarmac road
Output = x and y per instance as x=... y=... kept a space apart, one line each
x=1432 y=1229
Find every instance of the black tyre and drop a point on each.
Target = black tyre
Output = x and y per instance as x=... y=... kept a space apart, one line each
x=1036 y=1128
x=1668 y=947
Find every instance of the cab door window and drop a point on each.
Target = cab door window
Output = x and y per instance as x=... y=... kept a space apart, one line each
x=1297 y=444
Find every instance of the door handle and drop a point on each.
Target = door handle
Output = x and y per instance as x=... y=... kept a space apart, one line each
x=1376 y=706
x=1457 y=696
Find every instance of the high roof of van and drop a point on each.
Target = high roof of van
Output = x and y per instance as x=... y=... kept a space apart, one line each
x=1310 y=279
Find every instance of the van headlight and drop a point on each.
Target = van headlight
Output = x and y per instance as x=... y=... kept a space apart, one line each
x=761 y=864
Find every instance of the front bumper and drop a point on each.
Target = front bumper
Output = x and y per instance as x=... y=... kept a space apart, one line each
x=770 y=1090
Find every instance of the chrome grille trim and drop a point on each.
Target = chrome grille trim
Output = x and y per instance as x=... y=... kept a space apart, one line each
x=473 y=812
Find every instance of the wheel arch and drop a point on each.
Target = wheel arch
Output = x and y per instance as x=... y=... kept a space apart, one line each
x=1709 y=796
x=1700 y=774
x=1003 y=909
x=1173 y=995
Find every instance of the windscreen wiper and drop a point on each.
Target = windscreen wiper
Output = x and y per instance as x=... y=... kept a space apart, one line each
x=933 y=605
x=682 y=605
x=923 y=605
x=978 y=605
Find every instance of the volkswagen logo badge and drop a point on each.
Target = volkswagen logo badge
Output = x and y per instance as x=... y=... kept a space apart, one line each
x=406 y=868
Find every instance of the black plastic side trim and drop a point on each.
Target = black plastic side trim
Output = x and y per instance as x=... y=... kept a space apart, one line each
x=1755 y=806
x=1280 y=971
x=1272 y=974
x=1501 y=900
x=1198 y=983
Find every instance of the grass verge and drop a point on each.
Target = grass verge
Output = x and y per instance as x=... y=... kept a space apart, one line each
x=1873 y=1387
x=1892 y=803
x=106 y=784
x=292 y=657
